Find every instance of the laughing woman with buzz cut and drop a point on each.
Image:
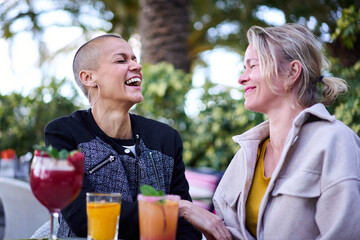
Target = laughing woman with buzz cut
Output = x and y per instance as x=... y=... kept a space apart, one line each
x=122 y=150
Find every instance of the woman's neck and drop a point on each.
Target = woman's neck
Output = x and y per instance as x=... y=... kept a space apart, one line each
x=114 y=123
x=281 y=122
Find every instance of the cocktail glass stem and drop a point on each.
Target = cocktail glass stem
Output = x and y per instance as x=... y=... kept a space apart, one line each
x=53 y=217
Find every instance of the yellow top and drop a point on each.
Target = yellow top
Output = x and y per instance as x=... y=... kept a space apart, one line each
x=257 y=190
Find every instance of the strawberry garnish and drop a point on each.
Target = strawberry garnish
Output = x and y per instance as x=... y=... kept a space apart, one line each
x=77 y=159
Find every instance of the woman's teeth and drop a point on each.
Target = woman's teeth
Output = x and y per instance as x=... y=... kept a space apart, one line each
x=133 y=81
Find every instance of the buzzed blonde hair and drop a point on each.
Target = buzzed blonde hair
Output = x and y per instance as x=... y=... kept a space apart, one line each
x=86 y=58
x=278 y=46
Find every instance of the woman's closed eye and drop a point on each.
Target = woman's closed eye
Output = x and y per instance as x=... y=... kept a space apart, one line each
x=250 y=67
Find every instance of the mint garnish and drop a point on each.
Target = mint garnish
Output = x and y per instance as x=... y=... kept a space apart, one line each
x=53 y=152
x=148 y=190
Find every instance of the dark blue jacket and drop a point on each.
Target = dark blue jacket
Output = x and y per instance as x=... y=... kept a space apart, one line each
x=110 y=167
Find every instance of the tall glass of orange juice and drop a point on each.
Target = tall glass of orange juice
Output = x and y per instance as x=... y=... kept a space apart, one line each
x=158 y=217
x=103 y=213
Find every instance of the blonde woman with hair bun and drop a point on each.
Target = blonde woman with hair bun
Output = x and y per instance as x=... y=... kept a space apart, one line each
x=296 y=175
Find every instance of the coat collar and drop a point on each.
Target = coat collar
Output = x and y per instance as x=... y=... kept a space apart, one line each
x=261 y=131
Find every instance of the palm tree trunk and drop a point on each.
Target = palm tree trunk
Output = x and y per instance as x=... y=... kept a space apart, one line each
x=164 y=26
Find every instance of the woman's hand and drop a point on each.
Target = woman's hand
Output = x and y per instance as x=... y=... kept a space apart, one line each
x=206 y=222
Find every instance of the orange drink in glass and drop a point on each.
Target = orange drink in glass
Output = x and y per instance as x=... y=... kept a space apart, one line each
x=158 y=217
x=103 y=212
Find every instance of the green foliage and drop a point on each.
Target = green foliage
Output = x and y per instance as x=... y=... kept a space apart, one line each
x=164 y=90
x=210 y=142
x=207 y=136
x=348 y=26
x=23 y=118
x=347 y=107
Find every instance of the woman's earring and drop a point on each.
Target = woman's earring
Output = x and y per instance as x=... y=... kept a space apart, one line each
x=98 y=87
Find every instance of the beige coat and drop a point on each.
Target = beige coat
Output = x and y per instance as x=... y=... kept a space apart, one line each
x=314 y=192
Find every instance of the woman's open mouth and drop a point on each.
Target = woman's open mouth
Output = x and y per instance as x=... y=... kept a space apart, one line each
x=136 y=82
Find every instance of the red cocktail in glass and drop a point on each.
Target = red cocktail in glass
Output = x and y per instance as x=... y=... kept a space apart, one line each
x=55 y=183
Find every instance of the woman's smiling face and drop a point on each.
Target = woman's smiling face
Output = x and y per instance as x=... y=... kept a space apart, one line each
x=118 y=74
x=258 y=95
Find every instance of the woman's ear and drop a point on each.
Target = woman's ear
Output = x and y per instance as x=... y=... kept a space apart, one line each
x=295 y=69
x=86 y=77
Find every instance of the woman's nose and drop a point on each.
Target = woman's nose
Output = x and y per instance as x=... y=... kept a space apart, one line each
x=135 y=66
x=244 y=77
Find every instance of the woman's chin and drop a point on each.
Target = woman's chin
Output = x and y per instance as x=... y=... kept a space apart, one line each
x=252 y=107
x=140 y=99
x=137 y=100
x=248 y=106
